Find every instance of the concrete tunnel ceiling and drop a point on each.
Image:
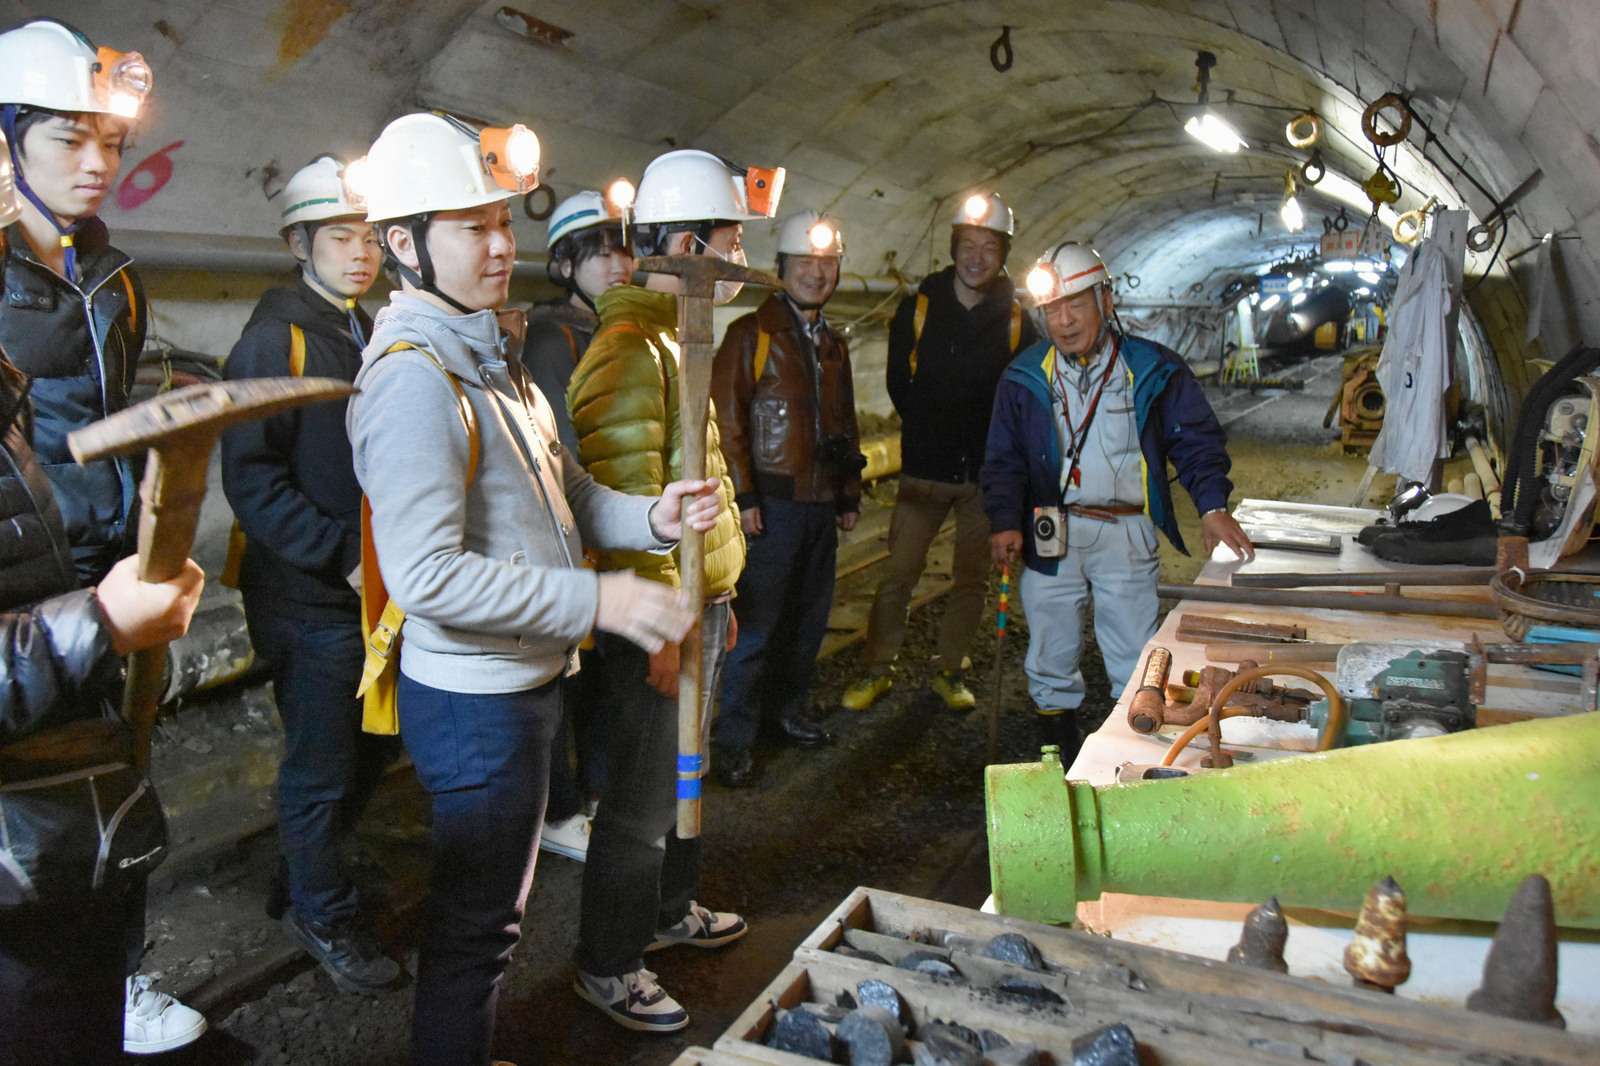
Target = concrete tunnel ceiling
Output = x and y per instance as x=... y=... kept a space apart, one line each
x=885 y=114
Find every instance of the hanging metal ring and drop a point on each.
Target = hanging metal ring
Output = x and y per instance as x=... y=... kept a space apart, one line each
x=549 y=207
x=1313 y=170
x=1000 y=54
x=1482 y=238
x=1369 y=120
x=1304 y=130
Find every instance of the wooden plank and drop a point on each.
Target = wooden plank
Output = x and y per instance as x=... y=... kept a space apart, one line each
x=1424 y=1028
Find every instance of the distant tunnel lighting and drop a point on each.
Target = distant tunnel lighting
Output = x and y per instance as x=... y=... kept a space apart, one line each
x=1338 y=266
x=1214 y=133
x=1369 y=277
x=1270 y=302
x=1297 y=299
x=1294 y=219
x=1363 y=291
x=1296 y=284
x=1255 y=298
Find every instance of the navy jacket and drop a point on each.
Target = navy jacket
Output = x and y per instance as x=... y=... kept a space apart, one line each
x=80 y=344
x=1022 y=467
x=945 y=400
x=290 y=478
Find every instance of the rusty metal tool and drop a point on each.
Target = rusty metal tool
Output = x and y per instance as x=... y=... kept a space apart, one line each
x=1389 y=579
x=1202 y=629
x=698 y=276
x=1273 y=653
x=1381 y=602
x=1262 y=939
x=1377 y=957
x=1150 y=708
x=179 y=429
x=1519 y=974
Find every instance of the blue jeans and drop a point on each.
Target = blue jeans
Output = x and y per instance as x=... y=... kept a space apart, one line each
x=329 y=767
x=568 y=790
x=485 y=760
x=785 y=594
x=639 y=876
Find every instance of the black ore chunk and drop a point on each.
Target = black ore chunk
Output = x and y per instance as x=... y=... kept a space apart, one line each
x=950 y=1029
x=800 y=1033
x=882 y=994
x=929 y=963
x=1112 y=1045
x=990 y=1040
x=1023 y=988
x=856 y=953
x=873 y=1037
x=1014 y=947
x=941 y=1047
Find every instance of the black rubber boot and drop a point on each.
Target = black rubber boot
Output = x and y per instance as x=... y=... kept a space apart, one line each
x=1061 y=730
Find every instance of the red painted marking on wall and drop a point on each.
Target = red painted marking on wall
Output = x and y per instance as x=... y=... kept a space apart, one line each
x=146 y=179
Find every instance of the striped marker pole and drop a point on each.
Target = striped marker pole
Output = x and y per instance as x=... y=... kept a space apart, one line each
x=1001 y=610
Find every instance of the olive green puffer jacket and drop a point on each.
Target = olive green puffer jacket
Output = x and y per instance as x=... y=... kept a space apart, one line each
x=624 y=402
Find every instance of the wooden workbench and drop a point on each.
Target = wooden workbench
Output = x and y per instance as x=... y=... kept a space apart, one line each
x=1447 y=956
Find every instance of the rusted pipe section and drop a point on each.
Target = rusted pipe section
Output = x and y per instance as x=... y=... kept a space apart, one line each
x=1454 y=576
x=883 y=456
x=1202 y=628
x=1384 y=603
x=1148 y=706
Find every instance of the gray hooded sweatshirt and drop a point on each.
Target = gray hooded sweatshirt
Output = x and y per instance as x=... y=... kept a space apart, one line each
x=490 y=576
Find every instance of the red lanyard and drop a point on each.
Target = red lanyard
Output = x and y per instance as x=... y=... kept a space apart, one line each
x=1077 y=436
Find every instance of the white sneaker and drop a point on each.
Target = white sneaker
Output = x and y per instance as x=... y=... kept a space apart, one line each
x=633 y=1001
x=701 y=928
x=153 y=1021
x=569 y=837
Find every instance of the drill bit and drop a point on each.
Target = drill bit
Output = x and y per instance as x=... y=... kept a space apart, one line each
x=1377 y=958
x=1261 y=942
x=1519 y=974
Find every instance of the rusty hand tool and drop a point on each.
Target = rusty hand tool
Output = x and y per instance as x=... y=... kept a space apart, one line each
x=698 y=275
x=180 y=428
x=1150 y=708
x=1387 y=578
x=1383 y=602
x=1000 y=618
x=1201 y=629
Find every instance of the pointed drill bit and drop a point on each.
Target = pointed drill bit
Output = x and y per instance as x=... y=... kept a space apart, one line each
x=1377 y=958
x=1519 y=975
x=1261 y=942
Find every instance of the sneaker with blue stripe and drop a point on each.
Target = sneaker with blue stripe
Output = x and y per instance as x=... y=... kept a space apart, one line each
x=633 y=1001
x=701 y=928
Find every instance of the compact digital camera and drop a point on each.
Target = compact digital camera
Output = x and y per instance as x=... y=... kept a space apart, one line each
x=838 y=451
x=1049 y=532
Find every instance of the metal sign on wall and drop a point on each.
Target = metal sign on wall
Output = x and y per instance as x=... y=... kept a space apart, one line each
x=1274 y=283
x=1341 y=244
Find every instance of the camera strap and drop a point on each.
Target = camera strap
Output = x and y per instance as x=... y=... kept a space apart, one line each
x=1078 y=436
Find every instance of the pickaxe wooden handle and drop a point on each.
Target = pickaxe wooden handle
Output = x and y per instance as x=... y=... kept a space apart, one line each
x=180 y=428
x=699 y=275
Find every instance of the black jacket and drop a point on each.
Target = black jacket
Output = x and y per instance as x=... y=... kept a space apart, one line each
x=80 y=344
x=945 y=403
x=56 y=662
x=289 y=478
x=558 y=335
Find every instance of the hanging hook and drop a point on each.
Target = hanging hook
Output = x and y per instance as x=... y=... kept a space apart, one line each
x=1000 y=55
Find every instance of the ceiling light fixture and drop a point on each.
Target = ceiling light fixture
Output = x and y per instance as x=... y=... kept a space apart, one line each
x=1294 y=218
x=1207 y=127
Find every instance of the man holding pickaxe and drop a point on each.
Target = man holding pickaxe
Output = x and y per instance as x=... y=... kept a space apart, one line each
x=633 y=435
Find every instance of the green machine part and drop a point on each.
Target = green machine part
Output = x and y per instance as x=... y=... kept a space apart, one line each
x=1458 y=820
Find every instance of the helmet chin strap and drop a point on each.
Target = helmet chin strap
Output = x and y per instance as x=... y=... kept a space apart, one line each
x=425 y=279
x=309 y=265
x=8 y=122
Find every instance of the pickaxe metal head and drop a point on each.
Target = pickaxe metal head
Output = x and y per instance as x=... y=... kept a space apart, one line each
x=700 y=273
x=197 y=413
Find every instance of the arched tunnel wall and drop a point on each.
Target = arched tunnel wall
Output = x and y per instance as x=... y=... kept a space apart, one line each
x=886 y=114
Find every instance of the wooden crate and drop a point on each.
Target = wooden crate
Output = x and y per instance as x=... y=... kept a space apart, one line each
x=699 y=1056
x=1182 y=1009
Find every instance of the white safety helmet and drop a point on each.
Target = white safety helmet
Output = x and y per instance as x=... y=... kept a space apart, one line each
x=316 y=193
x=1067 y=268
x=10 y=202
x=48 y=64
x=688 y=185
x=810 y=233
x=986 y=211
x=428 y=162
x=581 y=211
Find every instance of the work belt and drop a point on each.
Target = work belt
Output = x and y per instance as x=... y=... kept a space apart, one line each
x=1107 y=513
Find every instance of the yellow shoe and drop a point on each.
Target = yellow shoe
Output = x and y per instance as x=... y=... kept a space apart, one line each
x=865 y=692
x=951 y=686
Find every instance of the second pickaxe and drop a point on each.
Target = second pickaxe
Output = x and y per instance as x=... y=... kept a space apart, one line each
x=180 y=428
x=698 y=276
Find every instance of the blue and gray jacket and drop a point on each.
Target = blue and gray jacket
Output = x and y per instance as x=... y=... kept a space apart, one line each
x=1022 y=464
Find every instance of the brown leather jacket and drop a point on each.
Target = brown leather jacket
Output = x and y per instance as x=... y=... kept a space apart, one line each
x=771 y=428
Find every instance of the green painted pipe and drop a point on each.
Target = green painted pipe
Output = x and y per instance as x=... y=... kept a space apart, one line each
x=1458 y=820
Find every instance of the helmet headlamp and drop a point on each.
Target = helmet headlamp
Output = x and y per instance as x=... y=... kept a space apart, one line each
x=762 y=190
x=355 y=176
x=1042 y=281
x=512 y=156
x=821 y=236
x=122 y=81
x=619 y=195
x=976 y=206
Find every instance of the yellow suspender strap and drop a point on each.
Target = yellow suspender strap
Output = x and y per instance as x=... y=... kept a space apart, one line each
x=297 y=351
x=133 y=301
x=1016 y=326
x=763 y=346
x=918 y=320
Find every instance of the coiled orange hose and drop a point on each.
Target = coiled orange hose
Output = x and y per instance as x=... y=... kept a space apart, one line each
x=1330 y=732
